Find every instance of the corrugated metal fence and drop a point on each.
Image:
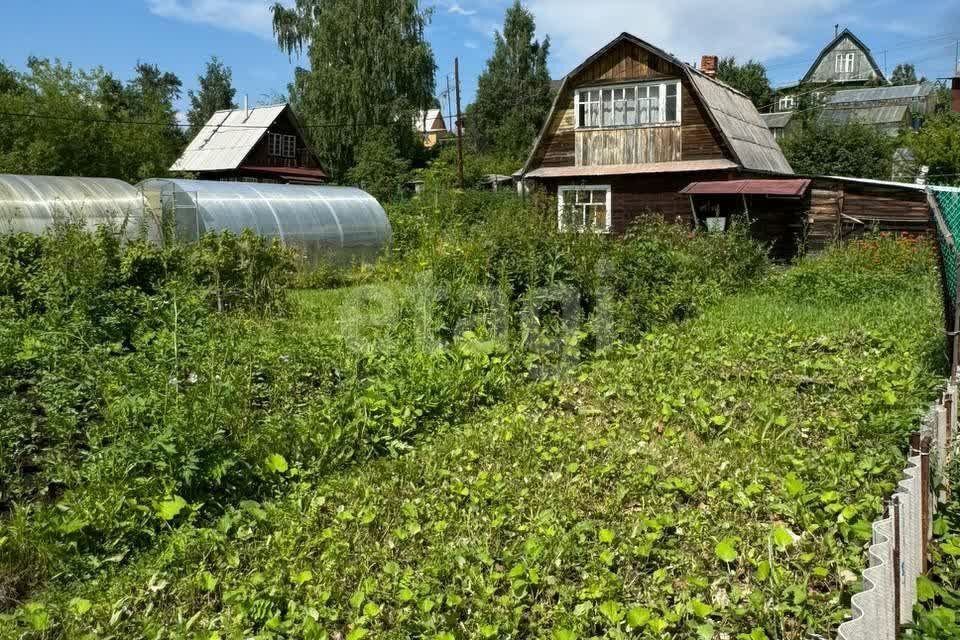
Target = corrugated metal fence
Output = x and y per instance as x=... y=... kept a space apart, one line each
x=898 y=554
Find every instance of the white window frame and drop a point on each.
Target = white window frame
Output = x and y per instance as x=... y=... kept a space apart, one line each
x=849 y=61
x=838 y=63
x=637 y=87
x=573 y=188
x=786 y=103
x=281 y=145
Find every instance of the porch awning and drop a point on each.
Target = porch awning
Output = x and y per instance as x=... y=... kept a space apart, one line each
x=756 y=187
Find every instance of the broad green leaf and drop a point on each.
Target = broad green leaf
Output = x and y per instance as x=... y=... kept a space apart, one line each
x=564 y=634
x=705 y=632
x=605 y=535
x=782 y=537
x=637 y=617
x=168 y=509
x=79 y=606
x=612 y=610
x=277 y=463
x=304 y=576
x=357 y=634
x=699 y=609
x=726 y=549
x=926 y=590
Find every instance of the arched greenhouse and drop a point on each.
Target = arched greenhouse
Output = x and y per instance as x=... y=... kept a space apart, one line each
x=341 y=223
x=31 y=204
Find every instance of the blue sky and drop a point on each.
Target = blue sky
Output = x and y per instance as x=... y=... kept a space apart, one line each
x=180 y=35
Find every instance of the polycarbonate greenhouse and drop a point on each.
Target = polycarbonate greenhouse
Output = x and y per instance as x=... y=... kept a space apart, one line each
x=30 y=204
x=341 y=223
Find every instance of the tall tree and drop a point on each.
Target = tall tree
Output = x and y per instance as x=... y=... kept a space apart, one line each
x=749 y=77
x=216 y=93
x=370 y=65
x=904 y=73
x=513 y=92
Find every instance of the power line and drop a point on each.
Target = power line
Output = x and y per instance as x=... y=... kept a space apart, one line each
x=148 y=123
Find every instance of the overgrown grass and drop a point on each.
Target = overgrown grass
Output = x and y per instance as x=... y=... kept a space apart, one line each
x=486 y=472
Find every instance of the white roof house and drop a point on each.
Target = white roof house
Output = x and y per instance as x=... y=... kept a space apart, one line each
x=227 y=138
x=266 y=143
x=429 y=121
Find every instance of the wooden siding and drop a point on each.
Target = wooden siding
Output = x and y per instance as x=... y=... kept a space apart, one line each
x=635 y=196
x=627 y=146
x=558 y=144
x=626 y=61
x=843 y=210
x=825 y=72
x=700 y=139
x=563 y=146
x=260 y=156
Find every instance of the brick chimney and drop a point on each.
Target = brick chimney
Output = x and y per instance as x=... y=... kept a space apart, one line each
x=708 y=65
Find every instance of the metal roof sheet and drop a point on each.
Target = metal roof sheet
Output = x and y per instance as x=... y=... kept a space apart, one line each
x=892 y=114
x=874 y=94
x=227 y=138
x=627 y=169
x=741 y=124
x=777 y=120
x=783 y=187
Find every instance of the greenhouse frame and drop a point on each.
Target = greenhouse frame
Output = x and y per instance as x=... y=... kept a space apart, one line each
x=340 y=224
x=31 y=204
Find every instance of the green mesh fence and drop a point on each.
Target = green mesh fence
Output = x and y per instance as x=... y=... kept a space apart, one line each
x=948 y=199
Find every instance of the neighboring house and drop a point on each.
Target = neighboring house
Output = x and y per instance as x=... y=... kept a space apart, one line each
x=777 y=122
x=632 y=126
x=431 y=126
x=890 y=109
x=263 y=144
x=845 y=62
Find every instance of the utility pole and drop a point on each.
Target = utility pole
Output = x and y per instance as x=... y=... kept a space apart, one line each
x=456 y=80
x=447 y=95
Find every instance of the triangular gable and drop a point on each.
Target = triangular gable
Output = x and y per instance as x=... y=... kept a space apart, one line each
x=230 y=136
x=846 y=33
x=748 y=139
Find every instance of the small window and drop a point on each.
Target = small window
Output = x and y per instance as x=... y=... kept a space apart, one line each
x=848 y=62
x=281 y=145
x=838 y=65
x=671 y=103
x=786 y=103
x=584 y=208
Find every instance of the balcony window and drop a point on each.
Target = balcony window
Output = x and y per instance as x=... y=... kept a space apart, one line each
x=629 y=105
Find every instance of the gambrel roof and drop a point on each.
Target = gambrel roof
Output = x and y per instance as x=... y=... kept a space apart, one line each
x=736 y=118
x=846 y=33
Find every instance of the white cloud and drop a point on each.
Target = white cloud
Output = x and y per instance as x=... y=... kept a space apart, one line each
x=247 y=16
x=687 y=28
x=456 y=8
x=470 y=44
